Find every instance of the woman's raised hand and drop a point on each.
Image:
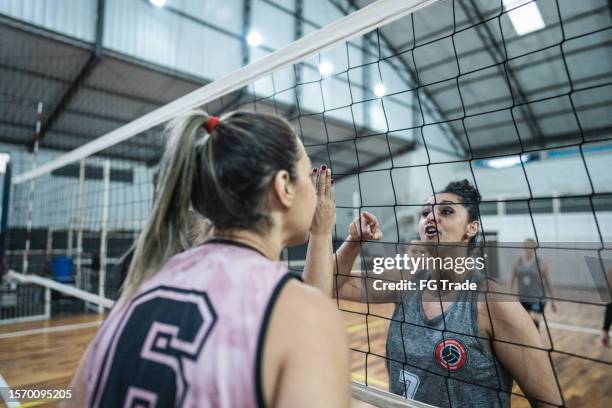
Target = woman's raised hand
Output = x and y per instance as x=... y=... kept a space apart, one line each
x=325 y=214
x=365 y=228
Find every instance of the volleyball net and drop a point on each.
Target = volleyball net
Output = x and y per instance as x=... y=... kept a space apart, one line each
x=398 y=98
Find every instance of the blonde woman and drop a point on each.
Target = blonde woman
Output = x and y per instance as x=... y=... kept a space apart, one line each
x=224 y=324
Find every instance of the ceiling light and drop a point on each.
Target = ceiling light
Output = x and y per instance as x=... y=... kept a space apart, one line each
x=380 y=90
x=158 y=3
x=503 y=162
x=326 y=69
x=524 y=15
x=254 y=39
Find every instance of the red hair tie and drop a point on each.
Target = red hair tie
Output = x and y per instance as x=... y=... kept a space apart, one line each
x=211 y=123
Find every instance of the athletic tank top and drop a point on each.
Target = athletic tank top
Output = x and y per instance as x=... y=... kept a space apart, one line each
x=191 y=336
x=530 y=285
x=442 y=361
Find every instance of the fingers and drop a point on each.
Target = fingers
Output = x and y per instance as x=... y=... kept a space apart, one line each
x=313 y=176
x=323 y=179
x=365 y=227
x=371 y=218
x=361 y=229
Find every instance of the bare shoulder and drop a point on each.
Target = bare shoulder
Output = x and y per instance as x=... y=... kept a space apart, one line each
x=308 y=342
x=308 y=306
x=300 y=315
x=304 y=314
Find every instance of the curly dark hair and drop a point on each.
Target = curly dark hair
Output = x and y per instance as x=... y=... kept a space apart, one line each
x=469 y=194
x=470 y=199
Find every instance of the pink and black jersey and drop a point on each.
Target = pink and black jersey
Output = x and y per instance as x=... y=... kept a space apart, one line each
x=191 y=336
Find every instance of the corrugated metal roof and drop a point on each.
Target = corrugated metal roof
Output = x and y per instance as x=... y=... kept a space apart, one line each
x=456 y=72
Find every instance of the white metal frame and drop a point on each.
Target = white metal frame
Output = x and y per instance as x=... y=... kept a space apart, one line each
x=382 y=398
x=80 y=221
x=50 y=284
x=39 y=111
x=104 y=232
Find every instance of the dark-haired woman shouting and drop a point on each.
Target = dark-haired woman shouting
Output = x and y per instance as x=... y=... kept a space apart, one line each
x=460 y=348
x=223 y=324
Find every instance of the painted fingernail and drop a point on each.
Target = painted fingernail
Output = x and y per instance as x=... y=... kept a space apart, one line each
x=314 y=170
x=323 y=167
x=332 y=181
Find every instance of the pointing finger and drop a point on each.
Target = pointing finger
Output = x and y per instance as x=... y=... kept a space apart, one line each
x=371 y=218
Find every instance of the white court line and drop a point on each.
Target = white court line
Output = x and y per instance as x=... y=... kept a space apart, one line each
x=52 y=329
x=5 y=391
x=569 y=327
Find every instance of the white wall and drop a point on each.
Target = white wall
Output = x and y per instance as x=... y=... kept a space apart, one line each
x=563 y=176
x=154 y=34
x=549 y=177
x=74 y=18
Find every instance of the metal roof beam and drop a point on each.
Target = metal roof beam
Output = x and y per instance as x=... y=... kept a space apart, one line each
x=81 y=77
x=118 y=94
x=28 y=127
x=576 y=17
x=494 y=50
x=453 y=139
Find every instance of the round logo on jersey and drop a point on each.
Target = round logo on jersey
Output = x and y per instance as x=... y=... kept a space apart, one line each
x=451 y=354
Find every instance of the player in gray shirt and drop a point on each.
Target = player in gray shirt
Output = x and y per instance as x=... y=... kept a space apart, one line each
x=441 y=348
x=531 y=273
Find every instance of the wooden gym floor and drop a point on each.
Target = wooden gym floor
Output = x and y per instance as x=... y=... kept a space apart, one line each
x=44 y=354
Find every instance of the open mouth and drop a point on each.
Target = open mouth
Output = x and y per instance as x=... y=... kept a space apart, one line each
x=431 y=231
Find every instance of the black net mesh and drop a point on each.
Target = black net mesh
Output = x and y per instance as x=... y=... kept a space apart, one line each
x=451 y=92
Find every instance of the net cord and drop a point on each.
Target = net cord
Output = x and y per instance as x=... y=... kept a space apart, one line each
x=383 y=399
x=356 y=24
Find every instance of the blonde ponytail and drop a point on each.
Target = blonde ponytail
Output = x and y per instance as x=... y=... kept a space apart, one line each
x=166 y=232
x=224 y=176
